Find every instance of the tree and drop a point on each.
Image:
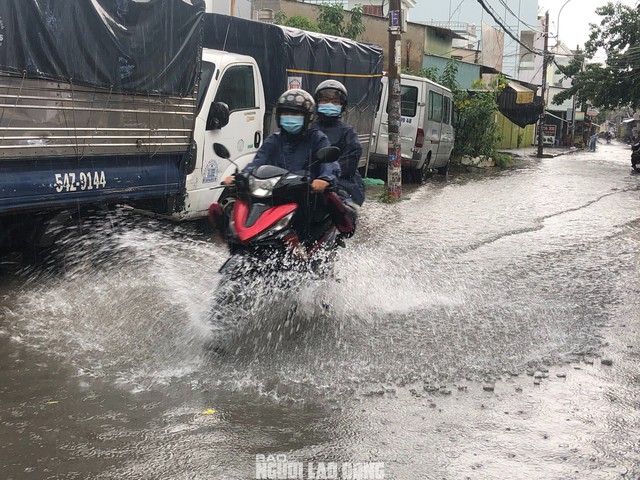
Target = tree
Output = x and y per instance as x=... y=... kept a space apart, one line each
x=616 y=83
x=303 y=23
x=476 y=131
x=330 y=21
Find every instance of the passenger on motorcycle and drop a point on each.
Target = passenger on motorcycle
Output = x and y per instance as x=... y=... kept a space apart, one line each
x=331 y=98
x=294 y=148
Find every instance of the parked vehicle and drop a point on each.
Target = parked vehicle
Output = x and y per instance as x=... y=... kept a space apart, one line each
x=134 y=126
x=426 y=132
x=100 y=115
x=247 y=65
x=277 y=222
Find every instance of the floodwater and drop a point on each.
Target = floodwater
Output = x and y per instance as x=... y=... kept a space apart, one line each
x=484 y=328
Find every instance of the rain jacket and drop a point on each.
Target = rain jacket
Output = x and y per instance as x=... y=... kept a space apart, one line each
x=295 y=153
x=344 y=136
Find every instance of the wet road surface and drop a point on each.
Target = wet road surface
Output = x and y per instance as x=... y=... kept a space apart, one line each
x=484 y=328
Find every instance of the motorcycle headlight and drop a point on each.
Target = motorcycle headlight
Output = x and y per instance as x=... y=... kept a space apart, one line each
x=277 y=227
x=261 y=188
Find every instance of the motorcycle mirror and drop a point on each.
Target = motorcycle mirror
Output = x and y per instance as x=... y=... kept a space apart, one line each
x=221 y=151
x=328 y=154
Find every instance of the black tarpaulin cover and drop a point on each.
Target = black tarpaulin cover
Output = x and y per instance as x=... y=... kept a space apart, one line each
x=149 y=46
x=285 y=54
x=522 y=114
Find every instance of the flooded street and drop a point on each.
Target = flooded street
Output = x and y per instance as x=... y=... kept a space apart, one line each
x=484 y=328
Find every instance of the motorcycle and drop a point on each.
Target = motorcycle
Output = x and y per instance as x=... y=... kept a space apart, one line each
x=635 y=157
x=277 y=223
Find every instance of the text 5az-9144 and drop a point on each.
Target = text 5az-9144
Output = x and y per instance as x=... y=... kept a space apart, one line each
x=71 y=181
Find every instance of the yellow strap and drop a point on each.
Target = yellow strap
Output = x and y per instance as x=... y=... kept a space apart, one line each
x=329 y=74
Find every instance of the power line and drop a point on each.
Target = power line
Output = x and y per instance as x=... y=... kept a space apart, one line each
x=516 y=16
x=506 y=30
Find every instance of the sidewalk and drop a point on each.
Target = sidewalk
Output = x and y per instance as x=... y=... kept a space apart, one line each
x=547 y=152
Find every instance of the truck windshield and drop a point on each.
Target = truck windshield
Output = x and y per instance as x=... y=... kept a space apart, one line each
x=206 y=74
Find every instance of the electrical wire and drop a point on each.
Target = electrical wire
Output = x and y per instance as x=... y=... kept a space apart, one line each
x=506 y=30
x=516 y=16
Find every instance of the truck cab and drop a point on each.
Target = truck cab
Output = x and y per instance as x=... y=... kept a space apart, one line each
x=235 y=81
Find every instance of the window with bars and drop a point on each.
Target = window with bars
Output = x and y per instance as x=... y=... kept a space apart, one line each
x=373 y=10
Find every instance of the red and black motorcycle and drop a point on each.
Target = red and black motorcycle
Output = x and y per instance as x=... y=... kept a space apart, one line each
x=277 y=223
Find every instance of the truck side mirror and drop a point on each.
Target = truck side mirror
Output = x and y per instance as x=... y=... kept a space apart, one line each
x=218 y=116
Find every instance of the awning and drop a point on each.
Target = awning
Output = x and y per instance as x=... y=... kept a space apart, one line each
x=523 y=94
x=547 y=112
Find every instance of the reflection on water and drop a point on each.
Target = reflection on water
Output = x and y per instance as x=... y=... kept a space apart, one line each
x=468 y=284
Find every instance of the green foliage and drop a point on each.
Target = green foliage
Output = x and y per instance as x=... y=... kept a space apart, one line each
x=477 y=133
x=356 y=25
x=303 y=23
x=431 y=73
x=280 y=17
x=331 y=21
x=615 y=83
x=503 y=160
x=449 y=75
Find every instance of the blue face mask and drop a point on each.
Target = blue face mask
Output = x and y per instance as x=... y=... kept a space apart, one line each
x=329 y=109
x=292 y=123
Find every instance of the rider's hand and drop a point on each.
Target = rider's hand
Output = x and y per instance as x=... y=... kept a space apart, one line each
x=228 y=180
x=318 y=185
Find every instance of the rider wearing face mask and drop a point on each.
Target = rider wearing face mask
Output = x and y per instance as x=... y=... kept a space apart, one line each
x=294 y=148
x=331 y=99
x=295 y=145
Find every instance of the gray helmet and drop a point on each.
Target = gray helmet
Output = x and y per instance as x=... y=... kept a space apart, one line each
x=296 y=100
x=332 y=88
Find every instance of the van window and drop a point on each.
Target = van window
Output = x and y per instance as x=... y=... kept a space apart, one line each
x=205 y=79
x=408 y=101
x=237 y=88
x=446 y=111
x=435 y=106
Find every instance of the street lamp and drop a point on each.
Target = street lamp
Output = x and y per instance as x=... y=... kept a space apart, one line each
x=558 y=23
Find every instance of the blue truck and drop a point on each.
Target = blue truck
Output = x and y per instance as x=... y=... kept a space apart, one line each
x=97 y=107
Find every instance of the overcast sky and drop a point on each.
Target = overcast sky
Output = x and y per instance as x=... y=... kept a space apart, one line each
x=574 y=18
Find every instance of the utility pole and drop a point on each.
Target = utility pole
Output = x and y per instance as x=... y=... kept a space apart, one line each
x=394 y=171
x=545 y=65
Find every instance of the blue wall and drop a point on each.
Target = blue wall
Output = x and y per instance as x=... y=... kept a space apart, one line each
x=467 y=72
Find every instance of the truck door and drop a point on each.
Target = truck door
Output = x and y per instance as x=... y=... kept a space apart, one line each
x=243 y=134
x=238 y=85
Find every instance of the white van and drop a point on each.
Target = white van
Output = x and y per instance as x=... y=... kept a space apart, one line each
x=426 y=133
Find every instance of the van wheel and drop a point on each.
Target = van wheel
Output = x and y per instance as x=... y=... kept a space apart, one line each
x=444 y=171
x=420 y=175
